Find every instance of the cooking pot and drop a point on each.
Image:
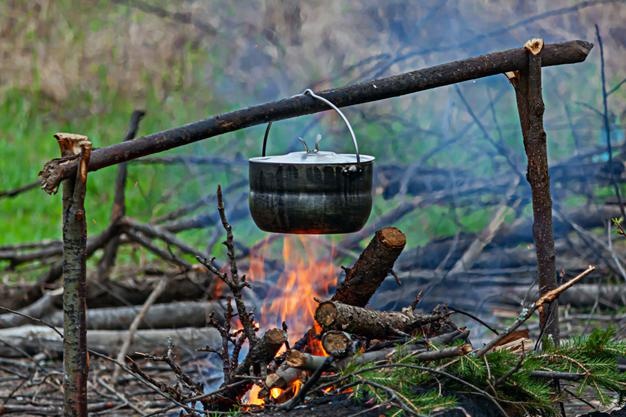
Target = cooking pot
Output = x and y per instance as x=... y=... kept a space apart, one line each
x=311 y=192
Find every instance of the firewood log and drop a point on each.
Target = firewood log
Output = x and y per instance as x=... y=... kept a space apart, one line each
x=371 y=323
x=372 y=267
x=159 y=316
x=35 y=339
x=337 y=343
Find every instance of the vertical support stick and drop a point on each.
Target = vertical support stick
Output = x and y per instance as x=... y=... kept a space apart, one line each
x=75 y=362
x=530 y=106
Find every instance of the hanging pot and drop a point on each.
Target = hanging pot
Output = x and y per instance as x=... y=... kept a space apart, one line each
x=311 y=192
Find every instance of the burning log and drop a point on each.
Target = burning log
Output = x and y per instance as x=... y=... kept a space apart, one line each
x=264 y=351
x=284 y=376
x=372 y=324
x=291 y=370
x=372 y=267
x=303 y=360
x=309 y=362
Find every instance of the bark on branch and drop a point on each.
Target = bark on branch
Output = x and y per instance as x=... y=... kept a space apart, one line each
x=407 y=83
x=372 y=267
x=371 y=323
x=527 y=83
x=74 y=276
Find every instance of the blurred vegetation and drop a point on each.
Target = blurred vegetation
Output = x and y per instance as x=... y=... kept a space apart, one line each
x=83 y=66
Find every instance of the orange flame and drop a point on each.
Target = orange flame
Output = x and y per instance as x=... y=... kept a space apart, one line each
x=252 y=397
x=308 y=273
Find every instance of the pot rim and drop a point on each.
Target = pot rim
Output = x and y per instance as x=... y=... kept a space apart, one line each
x=312 y=158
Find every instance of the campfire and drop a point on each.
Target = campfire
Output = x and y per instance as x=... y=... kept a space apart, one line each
x=307 y=275
x=360 y=324
x=336 y=334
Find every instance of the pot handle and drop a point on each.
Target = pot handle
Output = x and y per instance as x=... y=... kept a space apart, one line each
x=310 y=92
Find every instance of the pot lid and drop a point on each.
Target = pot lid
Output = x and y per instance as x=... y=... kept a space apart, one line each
x=320 y=157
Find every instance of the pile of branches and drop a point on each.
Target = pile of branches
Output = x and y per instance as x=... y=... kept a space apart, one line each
x=410 y=361
x=407 y=361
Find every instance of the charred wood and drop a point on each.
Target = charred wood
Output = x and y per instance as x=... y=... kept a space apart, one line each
x=264 y=351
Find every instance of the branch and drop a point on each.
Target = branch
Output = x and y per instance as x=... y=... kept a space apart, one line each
x=75 y=276
x=154 y=295
x=380 y=89
x=526 y=313
x=119 y=202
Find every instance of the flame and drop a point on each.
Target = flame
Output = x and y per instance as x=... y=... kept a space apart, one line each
x=308 y=273
x=296 y=386
x=252 y=397
x=275 y=393
x=314 y=343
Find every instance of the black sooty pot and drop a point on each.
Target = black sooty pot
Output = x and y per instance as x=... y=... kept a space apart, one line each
x=311 y=192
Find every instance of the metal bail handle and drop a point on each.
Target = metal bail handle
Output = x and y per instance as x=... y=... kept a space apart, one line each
x=310 y=92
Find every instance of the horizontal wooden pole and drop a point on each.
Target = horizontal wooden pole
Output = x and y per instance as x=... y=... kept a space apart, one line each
x=397 y=85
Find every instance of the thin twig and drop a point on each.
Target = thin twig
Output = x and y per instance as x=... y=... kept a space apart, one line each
x=607 y=124
x=526 y=313
x=154 y=295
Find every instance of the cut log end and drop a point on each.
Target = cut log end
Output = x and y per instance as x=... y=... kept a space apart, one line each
x=326 y=314
x=296 y=359
x=391 y=237
x=275 y=337
x=337 y=343
x=534 y=45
